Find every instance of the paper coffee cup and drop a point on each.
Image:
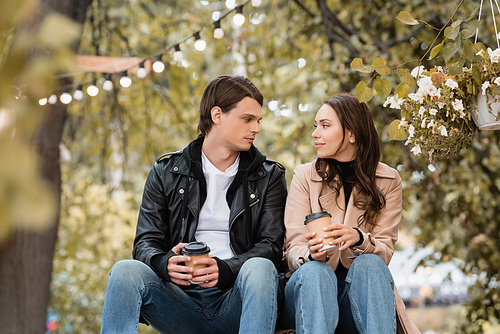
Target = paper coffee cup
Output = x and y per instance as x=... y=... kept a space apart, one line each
x=315 y=222
x=197 y=250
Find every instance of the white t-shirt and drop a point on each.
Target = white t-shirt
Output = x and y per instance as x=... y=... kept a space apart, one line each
x=213 y=225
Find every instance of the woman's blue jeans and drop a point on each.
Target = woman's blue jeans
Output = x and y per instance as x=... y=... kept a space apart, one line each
x=366 y=304
x=134 y=289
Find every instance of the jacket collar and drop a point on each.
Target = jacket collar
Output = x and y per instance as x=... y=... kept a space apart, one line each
x=383 y=171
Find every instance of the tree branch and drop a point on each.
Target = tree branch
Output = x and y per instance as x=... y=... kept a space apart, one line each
x=308 y=12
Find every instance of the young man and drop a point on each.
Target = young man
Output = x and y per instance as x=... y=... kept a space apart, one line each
x=220 y=190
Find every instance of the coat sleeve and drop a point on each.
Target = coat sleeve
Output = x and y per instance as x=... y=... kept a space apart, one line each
x=298 y=205
x=380 y=239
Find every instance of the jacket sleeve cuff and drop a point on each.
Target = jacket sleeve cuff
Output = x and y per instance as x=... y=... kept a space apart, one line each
x=366 y=246
x=159 y=263
x=225 y=275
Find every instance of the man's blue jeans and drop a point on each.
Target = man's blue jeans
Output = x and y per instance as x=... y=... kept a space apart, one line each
x=134 y=289
x=366 y=304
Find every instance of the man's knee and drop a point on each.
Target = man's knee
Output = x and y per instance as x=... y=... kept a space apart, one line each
x=258 y=271
x=129 y=271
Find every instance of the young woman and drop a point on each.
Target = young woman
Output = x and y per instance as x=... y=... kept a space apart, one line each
x=349 y=288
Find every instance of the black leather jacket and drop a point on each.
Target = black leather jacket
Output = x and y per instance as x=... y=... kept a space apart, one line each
x=256 y=199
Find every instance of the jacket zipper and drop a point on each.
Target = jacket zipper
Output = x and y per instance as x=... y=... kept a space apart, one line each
x=234 y=219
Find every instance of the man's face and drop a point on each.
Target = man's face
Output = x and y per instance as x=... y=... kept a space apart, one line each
x=238 y=127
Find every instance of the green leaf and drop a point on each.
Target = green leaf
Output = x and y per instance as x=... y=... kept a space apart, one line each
x=476 y=75
x=455 y=66
x=403 y=90
x=380 y=65
x=58 y=30
x=406 y=18
x=383 y=87
x=406 y=77
x=457 y=23
x=473 y=25
x=397 y=133
x=363 y=92
x=473 y=13
x=357 y=64
x=469 y=50
x=451 y=32
x=435 y=50
x=450 y=49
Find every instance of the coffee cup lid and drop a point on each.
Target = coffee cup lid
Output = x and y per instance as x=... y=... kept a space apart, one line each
x=316 y=215
x=196 y=248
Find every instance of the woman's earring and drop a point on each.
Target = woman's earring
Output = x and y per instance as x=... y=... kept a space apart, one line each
x=351 y=141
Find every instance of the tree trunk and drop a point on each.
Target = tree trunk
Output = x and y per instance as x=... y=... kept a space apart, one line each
x=26 y=257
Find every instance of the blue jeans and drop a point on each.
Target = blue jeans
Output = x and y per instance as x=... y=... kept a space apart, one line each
x=134 y=289
x=365 y=304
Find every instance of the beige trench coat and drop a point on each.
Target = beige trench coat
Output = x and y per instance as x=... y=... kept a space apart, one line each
x=309 y=194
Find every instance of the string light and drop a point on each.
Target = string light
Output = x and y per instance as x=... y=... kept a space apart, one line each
x=158 y=65
x=177 y=53
x=125 y=81
x=256 y=3
x=66 y=98
x=92 y=90
x=218 y=32
x=239 y=18
x=141 y=72
x=53 y=99
x=108 y=84
x=78 y=94
x=199 y=44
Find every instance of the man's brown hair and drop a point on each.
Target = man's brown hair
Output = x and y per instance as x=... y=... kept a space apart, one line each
x=225 y=92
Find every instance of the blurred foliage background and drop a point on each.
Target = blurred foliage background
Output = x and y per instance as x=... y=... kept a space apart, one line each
x=298 y=53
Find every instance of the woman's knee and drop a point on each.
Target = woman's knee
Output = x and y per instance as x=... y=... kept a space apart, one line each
x=370 y=265
x=316 y=271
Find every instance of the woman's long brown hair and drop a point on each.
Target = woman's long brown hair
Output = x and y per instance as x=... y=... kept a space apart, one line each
x=356 y=117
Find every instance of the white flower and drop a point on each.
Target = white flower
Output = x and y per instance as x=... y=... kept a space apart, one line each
x=411 y=131
x=416 y=150
x=423 y=123
x=457 y=104
x=417 y=71
x=462 y=114
x=440 y=69
x=417 y=97
x=421 y=112
x=497 y=80
x=443 y=131
x=433 y=111
x=402 y=123
x=395 y=102
x=426 y=87
x=494 y=55
x=451 y=83
x=485 y=86
x=441 y=104
x=431 y=123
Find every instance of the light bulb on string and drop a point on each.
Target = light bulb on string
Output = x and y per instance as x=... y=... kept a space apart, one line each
x=239 y=18
x=125 y=81
x=158 y=65
x=78 y=94
x=43 y=101
x=199 y=44
x=177 y=53
x=53 y=99
x=141 y=72
x=218 y=32
x=256 y=3
x=108 y=84
x=66 y=98
x=92 y=90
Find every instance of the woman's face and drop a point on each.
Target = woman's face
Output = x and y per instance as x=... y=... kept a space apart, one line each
x=328 y=136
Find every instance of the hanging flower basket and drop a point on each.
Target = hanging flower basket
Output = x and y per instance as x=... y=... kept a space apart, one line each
x=487 y=116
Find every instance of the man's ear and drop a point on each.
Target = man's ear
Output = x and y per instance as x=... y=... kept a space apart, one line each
x=216 y=115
